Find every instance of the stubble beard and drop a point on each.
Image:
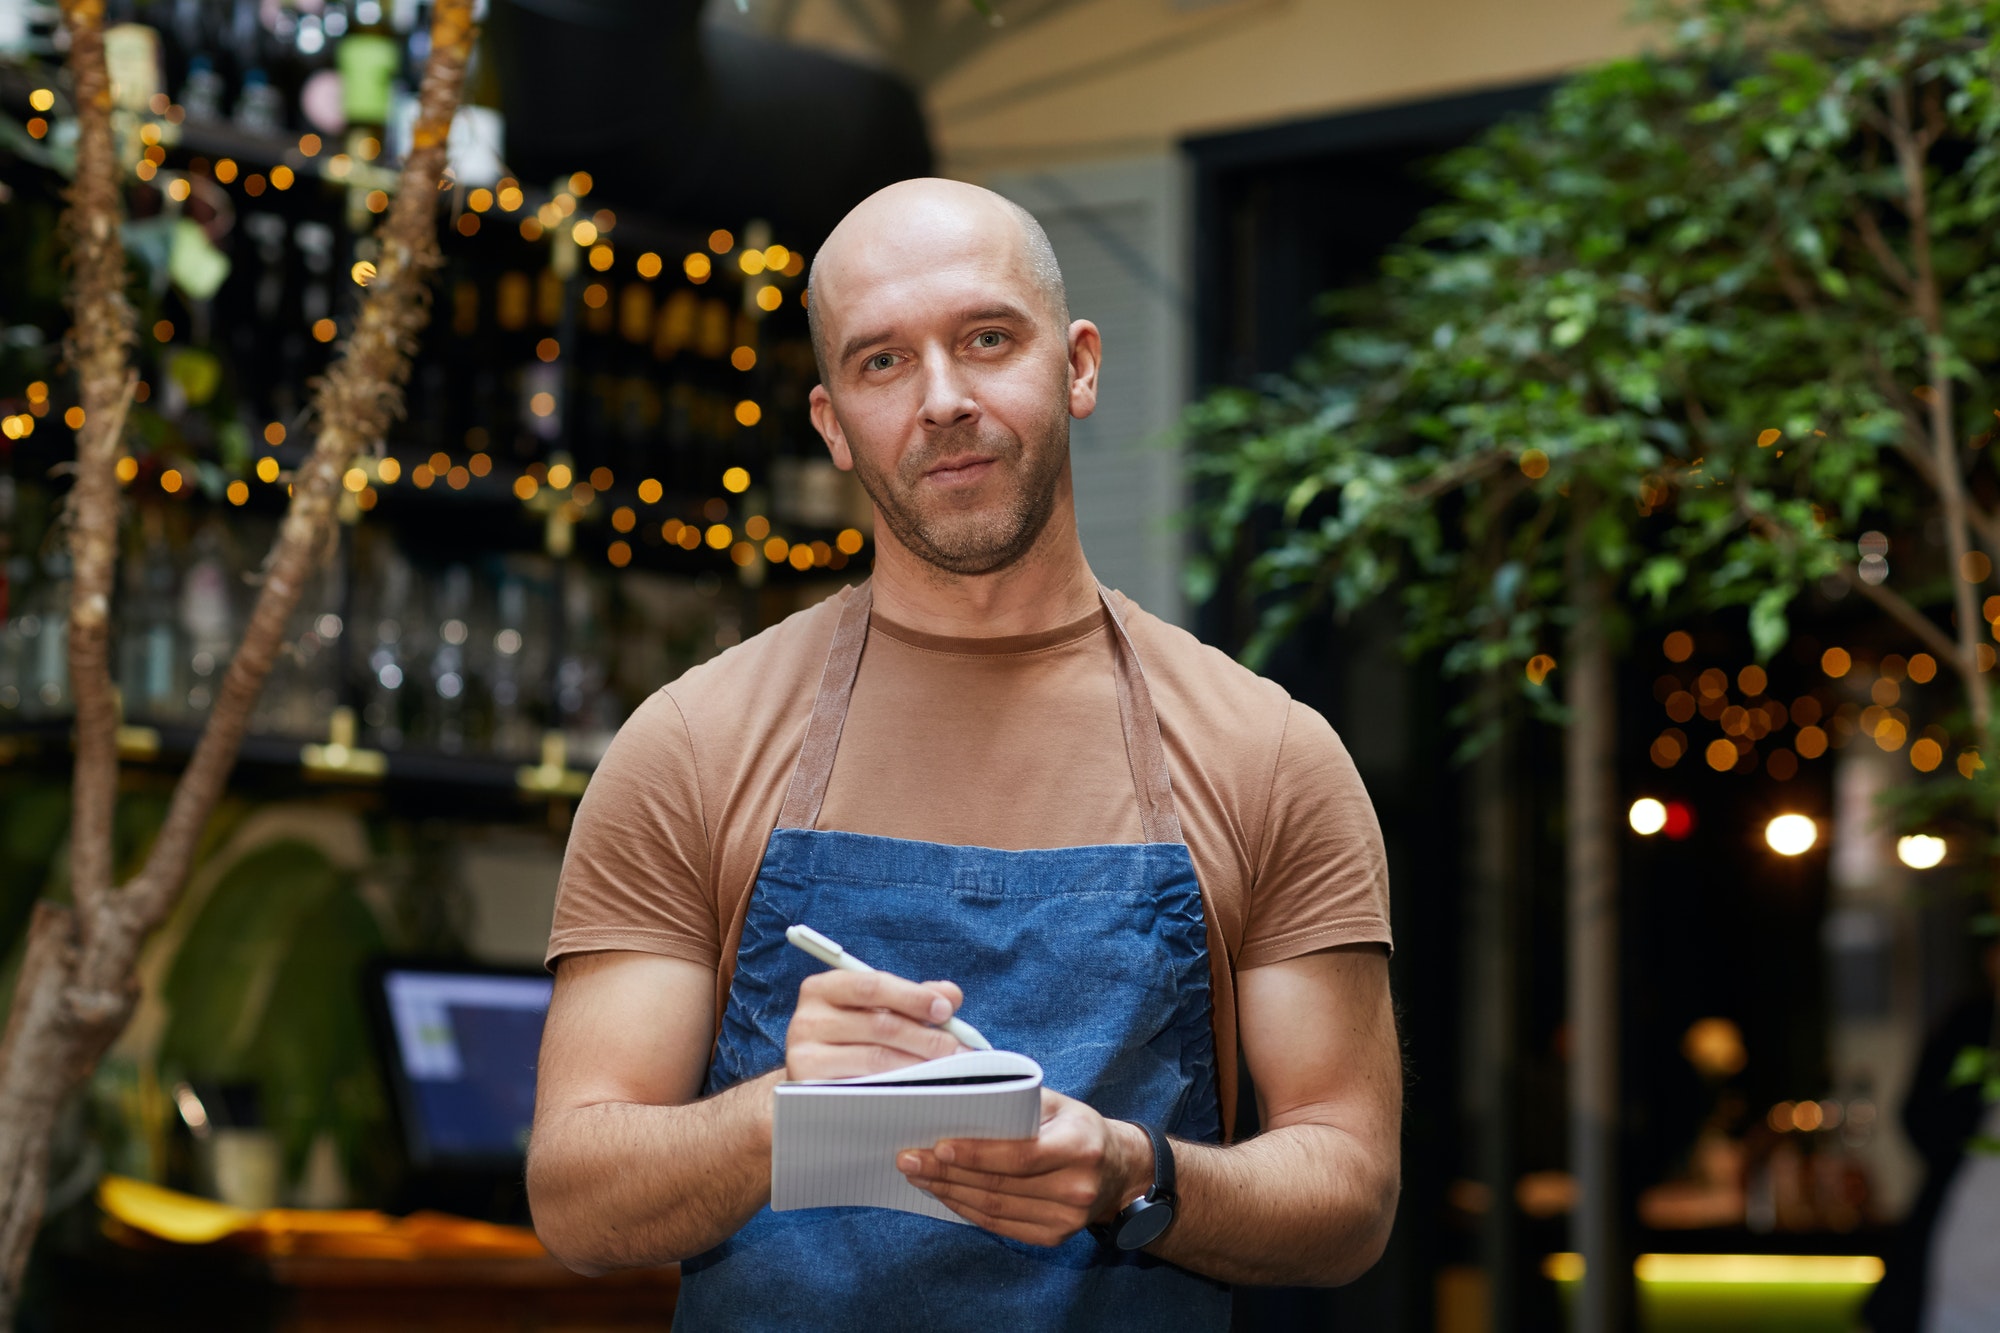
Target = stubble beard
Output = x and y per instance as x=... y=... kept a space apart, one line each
x=987 y=539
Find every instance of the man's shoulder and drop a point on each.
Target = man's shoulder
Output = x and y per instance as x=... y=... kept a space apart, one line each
x=1201 y=688
x=771 y=675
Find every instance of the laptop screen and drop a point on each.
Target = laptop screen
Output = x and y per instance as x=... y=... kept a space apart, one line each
x=464 y=1046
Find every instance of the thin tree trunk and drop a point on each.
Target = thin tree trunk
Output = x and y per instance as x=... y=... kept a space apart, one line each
x=76 y=987
x=1590 y=780
x=100 y=337
x=1912 y=146
x=1491 y=1011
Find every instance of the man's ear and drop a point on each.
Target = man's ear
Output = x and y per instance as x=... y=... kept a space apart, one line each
x=828 y=425
x=1086 y=354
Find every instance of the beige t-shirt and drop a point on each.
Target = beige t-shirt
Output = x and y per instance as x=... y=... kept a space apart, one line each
x=1012 y=743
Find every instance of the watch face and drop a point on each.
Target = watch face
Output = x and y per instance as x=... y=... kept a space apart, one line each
x=1146 y=1223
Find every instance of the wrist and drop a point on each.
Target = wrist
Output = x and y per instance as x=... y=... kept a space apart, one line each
x=1131 y=1168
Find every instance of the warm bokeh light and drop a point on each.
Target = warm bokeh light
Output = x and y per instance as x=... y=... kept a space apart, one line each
x=1791 y=835
x=697 y=267
x=525 y=487
x=560 y=476
x=743 y=358
x=267 y=469
x=769 y=298
x=1923 y=668
x=1714 y=1046
x=238 y=492
x=1835 y=662
x=619 y=554
x=649 y=265
x=624 y=519
x=1539 y=667
x=1679 y=646
x=719 y=536
x=748 y=413
x=170 y=481
x=721 y=241
x=650 y=491
x=1647 y=816
x=354 y=479
x=1721 y=755
x=1534 y=464
x=736 y=480
x=849 y=541
x=1752 y=680
x=323 y=330
x=1920 y=851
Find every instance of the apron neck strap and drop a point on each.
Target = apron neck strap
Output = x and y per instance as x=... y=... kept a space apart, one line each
x=1143 y=747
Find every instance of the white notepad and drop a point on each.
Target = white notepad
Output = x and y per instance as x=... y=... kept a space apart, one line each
x=834 y=1142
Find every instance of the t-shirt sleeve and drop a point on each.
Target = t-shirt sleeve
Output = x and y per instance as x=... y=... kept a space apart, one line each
x=635 y=875
x=1322 y=877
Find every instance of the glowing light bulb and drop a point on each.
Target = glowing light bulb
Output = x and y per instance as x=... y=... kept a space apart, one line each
x=1920 y=851
x=1791 y=835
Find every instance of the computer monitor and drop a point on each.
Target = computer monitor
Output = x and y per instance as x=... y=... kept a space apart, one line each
x=459 y=1043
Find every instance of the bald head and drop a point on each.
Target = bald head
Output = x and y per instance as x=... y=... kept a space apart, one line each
x=926 y=220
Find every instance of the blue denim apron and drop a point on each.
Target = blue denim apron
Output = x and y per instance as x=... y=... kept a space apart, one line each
x=1091 y=960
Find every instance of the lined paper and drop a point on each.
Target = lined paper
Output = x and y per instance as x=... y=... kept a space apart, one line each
x=834 y=1144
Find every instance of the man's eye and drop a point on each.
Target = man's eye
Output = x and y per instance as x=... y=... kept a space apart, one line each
x=881 y=361
x=990 y=338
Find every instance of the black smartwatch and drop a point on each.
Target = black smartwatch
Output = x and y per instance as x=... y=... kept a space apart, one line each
x=1146 y=1219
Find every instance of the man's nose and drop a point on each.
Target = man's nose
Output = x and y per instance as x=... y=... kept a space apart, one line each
x=948 y=399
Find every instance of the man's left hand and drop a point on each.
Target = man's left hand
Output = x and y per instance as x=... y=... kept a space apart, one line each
x=1081 y=1168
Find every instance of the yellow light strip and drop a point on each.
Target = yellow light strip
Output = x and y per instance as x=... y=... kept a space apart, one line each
x=1736 y=1269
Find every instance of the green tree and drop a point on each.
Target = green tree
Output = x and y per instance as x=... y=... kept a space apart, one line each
x=1681 y=340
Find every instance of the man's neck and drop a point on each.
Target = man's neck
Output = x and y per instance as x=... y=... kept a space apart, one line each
x=1048 y=587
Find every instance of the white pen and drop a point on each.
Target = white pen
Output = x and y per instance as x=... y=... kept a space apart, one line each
x=824 y=949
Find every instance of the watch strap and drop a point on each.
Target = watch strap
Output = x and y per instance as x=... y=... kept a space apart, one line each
x=1163 y=1165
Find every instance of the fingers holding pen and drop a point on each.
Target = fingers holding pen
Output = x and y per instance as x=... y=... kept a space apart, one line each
x=850 y=1023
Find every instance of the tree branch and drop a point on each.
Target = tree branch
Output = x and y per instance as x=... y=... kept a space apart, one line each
x=1907 y=615
x=1910 y=147
x=1885 y=255
x=98 y=345
x=354 y=403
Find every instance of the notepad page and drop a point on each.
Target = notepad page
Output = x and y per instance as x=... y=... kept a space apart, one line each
x=837 y=1148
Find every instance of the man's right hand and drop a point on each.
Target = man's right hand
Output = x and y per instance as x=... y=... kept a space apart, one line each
x=851 y=1023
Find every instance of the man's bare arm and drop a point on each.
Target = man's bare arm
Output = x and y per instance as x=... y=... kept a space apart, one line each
x=1308 y=1202
x=625 y=1167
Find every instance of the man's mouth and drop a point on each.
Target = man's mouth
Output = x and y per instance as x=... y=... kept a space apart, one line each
x=960 y=471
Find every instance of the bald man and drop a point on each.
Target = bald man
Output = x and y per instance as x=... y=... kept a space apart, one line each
x=1123 y=854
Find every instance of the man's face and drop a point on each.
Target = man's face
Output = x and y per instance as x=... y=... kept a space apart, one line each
x=948 y=386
